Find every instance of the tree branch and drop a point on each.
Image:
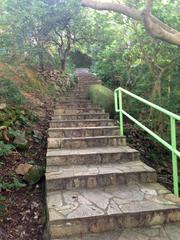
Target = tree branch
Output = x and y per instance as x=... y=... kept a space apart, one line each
x=149 y=5
x=116 y=7
x=153 y=25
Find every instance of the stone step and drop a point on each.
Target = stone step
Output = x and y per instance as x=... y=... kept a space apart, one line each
x=81 y=123
x=83 y=86
x=78 y=95
x=73 y=100
x=85 y=142
x=73 y=110
x=89 y=80
x=81 y=116
x=110 y=208
x=168 y=231
x=80 y=88
x=74 y=105
x=81 y=93
x=102 y=175
x=68 y=157
x=87 y=83
x=69 y=98
x=83 y=132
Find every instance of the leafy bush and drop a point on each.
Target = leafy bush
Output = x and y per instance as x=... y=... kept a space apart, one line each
x=102 y=96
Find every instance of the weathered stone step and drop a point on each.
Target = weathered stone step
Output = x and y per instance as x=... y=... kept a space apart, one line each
x=81 y=86
x=74 y=110
x=93 y=176
x=106 y=209
x=168 y=231
x=74 y=105
x=83 y=131
x=88 y=82
x=81 y=92
x=68 y=157
x=72 y=100
x=88 y=79
x=85 y=142
x=81 y=116
x=81 y=123
x=78 y=95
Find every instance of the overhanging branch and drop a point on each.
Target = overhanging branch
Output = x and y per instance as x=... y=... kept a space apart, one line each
x=153 y=25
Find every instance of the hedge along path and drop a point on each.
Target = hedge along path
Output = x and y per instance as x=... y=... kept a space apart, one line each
x=96 y=183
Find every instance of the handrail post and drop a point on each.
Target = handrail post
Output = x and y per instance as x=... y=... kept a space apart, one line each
x=121 y=114
x=174 y=156
x=115 y=100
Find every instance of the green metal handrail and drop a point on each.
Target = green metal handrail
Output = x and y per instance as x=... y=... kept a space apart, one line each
x=173 y=118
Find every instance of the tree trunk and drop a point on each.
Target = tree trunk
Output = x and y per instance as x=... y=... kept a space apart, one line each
x=41 y=60
x=63 y=64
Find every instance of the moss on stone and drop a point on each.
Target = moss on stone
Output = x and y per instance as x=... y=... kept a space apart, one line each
x=34 y=174
x=103 y=97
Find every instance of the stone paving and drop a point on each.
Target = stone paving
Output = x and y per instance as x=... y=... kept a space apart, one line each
x=85 y=203
x=97 y=187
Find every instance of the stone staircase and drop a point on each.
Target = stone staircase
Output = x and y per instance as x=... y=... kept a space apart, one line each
x=95 y=183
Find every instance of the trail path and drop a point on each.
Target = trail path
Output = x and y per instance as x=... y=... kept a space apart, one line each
x=95 y=183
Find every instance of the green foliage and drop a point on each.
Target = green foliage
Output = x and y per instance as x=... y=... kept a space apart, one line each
x=5 y=149
x=12 y=184
x=102 y=96
x=10 y=92
x=14 y=116
x=42 y=32
x=128 y=57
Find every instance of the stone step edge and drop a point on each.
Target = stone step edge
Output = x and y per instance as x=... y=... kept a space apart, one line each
x=91 y=151
x=83 y=128
x=80 y=114
x=89 y=138
x=102 y=155
x=85 y=142
x=74 y=108
x=98 y=175
x=136 y=214
x=83 y=120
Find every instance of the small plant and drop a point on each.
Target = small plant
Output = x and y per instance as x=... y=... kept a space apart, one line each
x=14 y=133
x=5 y=149
x=30 y=115
x=14 y=184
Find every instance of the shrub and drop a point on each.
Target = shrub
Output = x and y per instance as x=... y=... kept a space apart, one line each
x=102 y=96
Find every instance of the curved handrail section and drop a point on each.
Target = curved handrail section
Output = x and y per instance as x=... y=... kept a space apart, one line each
x=173 y=118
